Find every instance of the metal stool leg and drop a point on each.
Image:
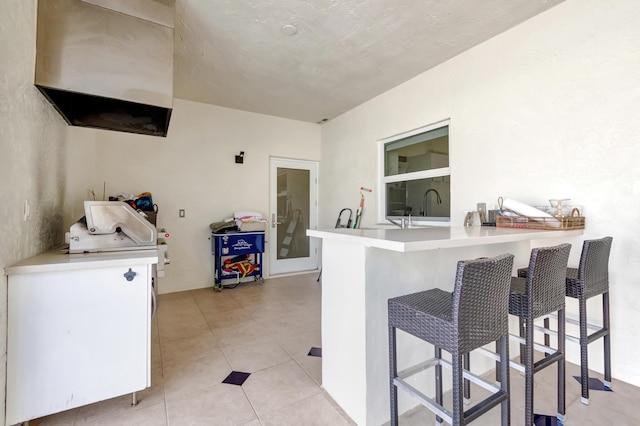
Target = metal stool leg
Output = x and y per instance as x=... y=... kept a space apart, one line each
x=607 y=339
x=561 y=366
x=393 y=373
x=584 y=353
x=522 y=334
x=438 y=355
x=528 y=372
x=467 y=384
x=503 y=344
x=498 y=368
x=458 y=409
x=546 y=336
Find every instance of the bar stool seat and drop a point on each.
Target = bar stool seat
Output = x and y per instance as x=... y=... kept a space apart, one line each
x=589 y=279
x=474 y=314
x=541 y=293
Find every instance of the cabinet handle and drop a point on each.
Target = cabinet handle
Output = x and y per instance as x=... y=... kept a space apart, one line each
x=130 y=275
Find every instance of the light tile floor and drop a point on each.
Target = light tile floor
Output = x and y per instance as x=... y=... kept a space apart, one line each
x=200 y=336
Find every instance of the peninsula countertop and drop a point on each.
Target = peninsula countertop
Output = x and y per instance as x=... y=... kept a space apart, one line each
x=436 y=237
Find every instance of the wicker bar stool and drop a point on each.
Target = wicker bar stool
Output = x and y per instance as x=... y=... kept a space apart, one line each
x=589 y=279
x=476 y=313
x=539 y=294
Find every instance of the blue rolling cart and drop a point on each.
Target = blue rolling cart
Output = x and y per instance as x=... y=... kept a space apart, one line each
x=237 y=256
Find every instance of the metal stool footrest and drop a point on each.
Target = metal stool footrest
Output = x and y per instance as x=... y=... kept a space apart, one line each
x=600 y=331
x=518 y=366
x=477 y=410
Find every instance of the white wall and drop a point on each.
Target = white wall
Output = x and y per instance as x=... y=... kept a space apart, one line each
x=32 y=156
x=80 y=172
x=194 y=169
x=546 y=110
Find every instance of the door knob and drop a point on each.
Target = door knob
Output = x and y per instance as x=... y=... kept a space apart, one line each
x=274 y=221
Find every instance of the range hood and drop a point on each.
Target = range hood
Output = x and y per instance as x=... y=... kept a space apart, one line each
x=107 y=64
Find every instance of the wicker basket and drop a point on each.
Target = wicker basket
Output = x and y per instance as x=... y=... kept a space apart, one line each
x=565 y=223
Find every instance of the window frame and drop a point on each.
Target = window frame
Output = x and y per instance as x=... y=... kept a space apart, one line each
x=402 y=177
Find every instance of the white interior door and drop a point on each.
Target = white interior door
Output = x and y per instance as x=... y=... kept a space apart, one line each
x=292 y=210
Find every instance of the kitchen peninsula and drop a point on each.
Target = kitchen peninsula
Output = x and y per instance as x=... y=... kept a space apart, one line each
x=363 y=268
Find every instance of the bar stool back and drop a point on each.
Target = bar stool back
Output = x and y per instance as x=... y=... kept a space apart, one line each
x=476 y=313
x=542 y=292
x=590 y=279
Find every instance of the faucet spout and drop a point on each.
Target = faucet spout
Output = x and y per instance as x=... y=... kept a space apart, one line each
x=425 y=205
x=402 y=223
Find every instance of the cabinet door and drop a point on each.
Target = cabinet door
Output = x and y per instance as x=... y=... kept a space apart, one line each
x=76 y=337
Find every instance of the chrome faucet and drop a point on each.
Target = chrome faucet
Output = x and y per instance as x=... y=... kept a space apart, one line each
x=404 y=222
x=424 y=200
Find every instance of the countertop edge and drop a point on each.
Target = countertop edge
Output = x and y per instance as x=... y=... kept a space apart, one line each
x=55 y=260
x=371 y=238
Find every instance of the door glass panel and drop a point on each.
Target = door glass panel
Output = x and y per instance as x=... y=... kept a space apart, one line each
x=293 y=213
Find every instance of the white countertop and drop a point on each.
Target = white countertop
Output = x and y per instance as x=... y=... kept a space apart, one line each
x=432 y=238
x=58 y=260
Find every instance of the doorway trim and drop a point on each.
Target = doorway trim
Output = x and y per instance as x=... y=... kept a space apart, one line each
x=278 y=267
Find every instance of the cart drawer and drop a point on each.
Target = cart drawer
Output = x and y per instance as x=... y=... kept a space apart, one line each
x=239 y=243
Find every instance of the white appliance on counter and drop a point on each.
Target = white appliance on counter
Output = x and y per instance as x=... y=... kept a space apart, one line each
x=114 y=226
x=79 y=324
x=110 y=226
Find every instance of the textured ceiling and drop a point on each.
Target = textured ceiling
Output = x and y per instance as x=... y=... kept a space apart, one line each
x=233 y=53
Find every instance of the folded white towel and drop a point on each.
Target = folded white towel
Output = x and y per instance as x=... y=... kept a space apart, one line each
x=246 y=213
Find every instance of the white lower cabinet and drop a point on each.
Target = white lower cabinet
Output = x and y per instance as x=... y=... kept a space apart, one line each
x=76 y=337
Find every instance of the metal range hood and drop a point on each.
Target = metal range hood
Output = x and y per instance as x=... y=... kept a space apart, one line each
x=107 y=64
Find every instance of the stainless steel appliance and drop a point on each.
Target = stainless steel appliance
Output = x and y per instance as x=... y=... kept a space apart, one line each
x=107 y=64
